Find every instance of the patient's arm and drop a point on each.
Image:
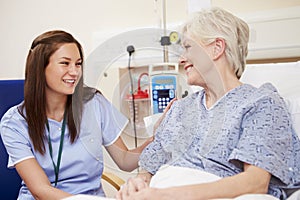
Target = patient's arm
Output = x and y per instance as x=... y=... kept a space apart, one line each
x=253 y=180
x=144 y=175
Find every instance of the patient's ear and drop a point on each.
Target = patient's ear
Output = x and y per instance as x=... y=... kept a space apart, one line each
x=218 y=48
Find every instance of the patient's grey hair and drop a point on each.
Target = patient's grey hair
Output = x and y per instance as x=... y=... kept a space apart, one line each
x=209 y=24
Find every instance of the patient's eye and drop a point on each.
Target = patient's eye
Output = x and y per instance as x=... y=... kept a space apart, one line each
x=186 y=46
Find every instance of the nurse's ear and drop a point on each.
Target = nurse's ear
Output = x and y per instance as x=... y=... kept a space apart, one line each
x=218 y=48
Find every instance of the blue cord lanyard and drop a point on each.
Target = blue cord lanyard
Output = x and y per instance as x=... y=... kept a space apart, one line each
x=57 y=165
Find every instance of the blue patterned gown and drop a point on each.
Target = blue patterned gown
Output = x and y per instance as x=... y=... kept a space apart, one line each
x=248 y=124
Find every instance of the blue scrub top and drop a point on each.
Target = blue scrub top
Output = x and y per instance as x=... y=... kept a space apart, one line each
x=81 y=162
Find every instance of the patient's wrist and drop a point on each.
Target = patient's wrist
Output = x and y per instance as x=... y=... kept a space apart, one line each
x=145 y=175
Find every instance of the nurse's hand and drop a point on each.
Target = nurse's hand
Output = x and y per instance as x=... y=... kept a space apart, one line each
x=156 y=125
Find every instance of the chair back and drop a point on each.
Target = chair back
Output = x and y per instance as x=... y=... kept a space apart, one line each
x=11 y=93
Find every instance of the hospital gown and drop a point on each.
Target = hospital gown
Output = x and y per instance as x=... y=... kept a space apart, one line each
x=247 y=124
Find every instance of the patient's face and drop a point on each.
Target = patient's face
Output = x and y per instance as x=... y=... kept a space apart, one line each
x=196 y=61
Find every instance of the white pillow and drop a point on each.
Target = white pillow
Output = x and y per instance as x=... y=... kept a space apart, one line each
x=285 y=77
x=294 y=108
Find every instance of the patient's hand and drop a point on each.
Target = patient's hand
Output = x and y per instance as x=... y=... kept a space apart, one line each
x=132 y=186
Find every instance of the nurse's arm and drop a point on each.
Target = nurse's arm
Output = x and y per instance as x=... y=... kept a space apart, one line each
x=126 y=159
x=37 y=181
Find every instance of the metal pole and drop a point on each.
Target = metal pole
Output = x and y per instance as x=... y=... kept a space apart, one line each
x=165 y=47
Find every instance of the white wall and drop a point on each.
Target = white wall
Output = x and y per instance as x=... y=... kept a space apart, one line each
x=22 y=21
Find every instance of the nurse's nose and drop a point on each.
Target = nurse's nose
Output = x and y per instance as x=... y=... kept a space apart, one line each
x=74 y=70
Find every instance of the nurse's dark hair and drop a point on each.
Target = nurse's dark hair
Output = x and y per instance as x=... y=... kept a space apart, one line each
x=33 y=108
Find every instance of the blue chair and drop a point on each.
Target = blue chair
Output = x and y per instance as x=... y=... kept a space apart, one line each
x=11 y=93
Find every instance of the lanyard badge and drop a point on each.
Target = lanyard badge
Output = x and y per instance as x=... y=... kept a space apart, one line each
x=62 y=135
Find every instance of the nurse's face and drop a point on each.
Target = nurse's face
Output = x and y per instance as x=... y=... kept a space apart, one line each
x=196 y=61
x=64 y=70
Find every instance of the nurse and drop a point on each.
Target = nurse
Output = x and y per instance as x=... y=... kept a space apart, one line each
x=54 y=138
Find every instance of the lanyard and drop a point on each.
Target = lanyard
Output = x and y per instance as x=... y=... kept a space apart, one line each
x=62 y=135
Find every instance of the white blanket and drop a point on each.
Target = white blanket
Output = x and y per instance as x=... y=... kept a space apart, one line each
x=169 y=176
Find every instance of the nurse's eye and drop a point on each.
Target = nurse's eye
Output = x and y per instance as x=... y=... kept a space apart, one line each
x=64 y=63
x=79 y=64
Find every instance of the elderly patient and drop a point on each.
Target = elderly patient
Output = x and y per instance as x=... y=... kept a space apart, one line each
x=238 y=133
